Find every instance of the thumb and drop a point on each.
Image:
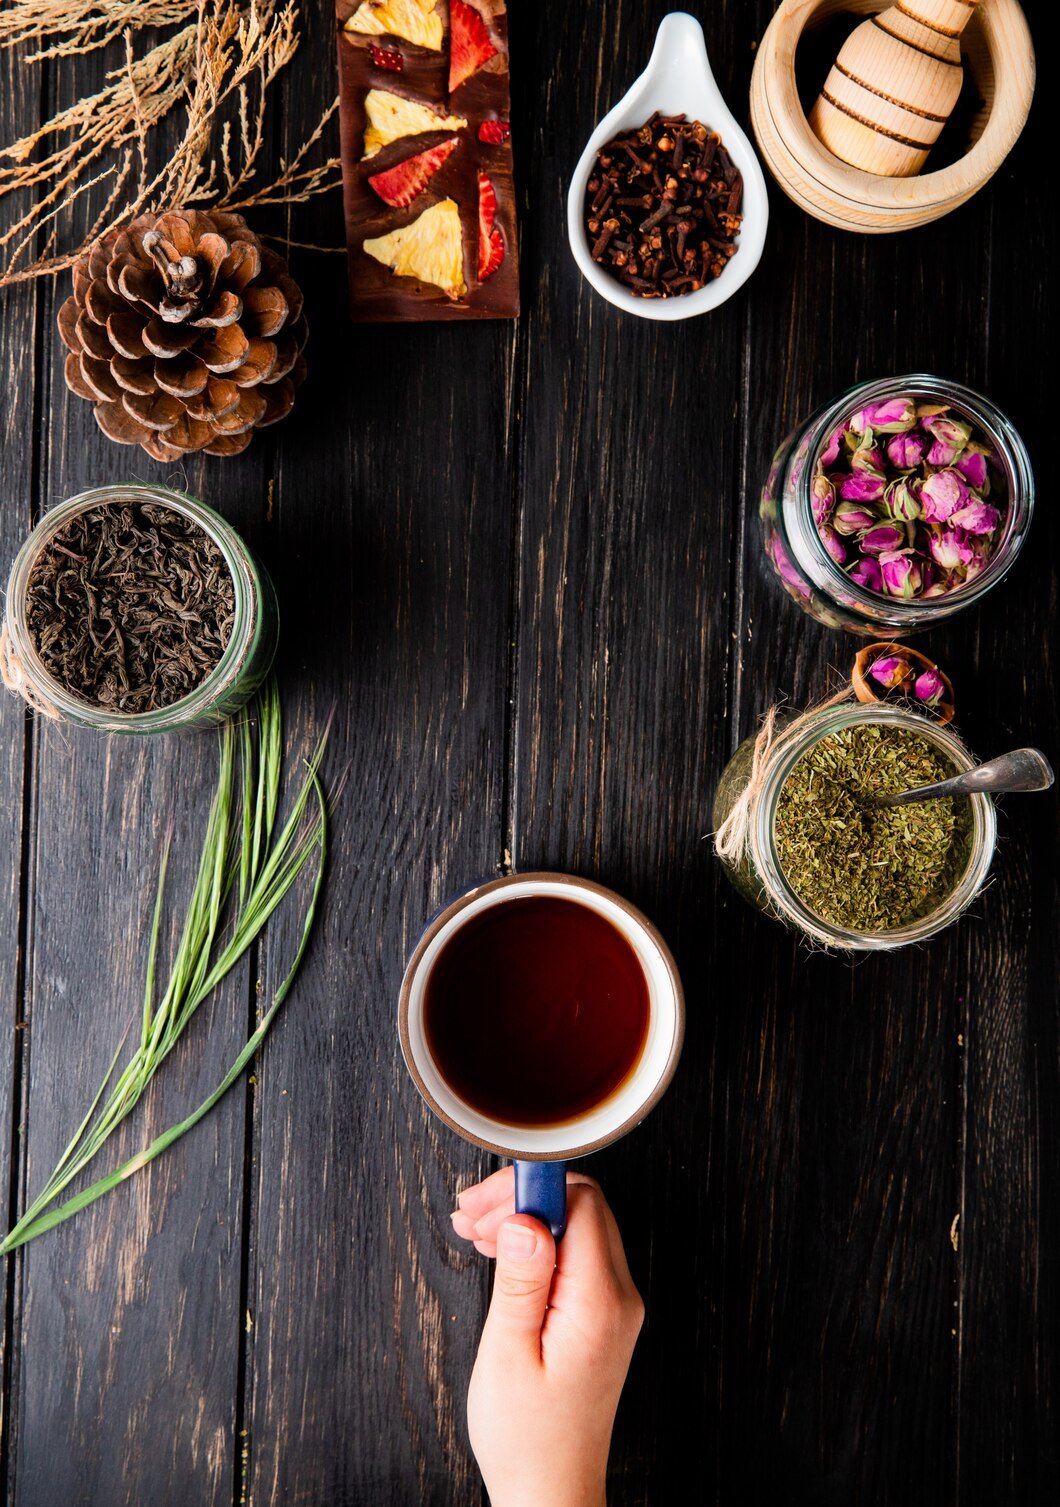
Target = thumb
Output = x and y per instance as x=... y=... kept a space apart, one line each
x=526 y=1260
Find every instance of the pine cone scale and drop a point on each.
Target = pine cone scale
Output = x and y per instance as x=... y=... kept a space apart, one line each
x=93 y=338
x=185 y=333
x=156 y=410
x=98 y=377
x=226 y=351
x=125 y=331
x=133 y=376
x=260 y=364
x=226 y=309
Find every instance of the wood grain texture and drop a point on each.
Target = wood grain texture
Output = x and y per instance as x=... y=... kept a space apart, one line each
x=127 y=1320
x=19 y=106
x=521 y=566
x=391 y=533
x=126 y=1324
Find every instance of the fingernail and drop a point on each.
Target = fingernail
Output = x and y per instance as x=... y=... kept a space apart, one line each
x=516 y=1242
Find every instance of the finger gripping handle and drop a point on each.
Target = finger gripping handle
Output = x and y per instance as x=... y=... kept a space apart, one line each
x=541 y=1191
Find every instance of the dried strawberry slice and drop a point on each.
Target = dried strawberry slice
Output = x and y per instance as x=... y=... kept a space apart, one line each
x=494 y=132
x=386 y=57
x=399 y=185
x=490 y=240
x=469 y=43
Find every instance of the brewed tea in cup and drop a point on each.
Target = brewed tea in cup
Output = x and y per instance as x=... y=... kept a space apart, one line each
x=541 y=1017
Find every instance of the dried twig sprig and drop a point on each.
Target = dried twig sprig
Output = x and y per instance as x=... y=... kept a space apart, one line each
x=218 y=69
x=84 y=25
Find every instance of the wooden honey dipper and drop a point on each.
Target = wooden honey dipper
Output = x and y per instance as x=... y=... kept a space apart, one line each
x=893 y=85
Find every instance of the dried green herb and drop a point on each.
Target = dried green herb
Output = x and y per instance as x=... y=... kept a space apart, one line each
x=130 y=606
x=863 y=867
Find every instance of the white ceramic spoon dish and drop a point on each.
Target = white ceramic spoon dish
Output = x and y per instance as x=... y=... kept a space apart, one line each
x=677 y=81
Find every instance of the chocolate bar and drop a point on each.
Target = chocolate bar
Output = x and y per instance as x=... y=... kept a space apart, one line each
x=427 y=159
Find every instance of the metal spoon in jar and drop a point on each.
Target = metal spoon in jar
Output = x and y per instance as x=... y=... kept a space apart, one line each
x=1023 y=769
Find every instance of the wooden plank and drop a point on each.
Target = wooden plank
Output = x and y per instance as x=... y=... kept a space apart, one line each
x=129 y=1316
x=19 y=105
x=391 y=530
x=847 y=1378
x=1009 y=1242
x=629 y=467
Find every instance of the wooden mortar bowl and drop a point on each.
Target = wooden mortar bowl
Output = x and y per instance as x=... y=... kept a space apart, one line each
x=996 y=47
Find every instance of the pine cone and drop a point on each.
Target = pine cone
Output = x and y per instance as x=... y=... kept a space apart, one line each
x=185 y=332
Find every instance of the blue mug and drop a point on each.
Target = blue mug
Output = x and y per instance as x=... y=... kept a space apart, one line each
x=541 y=1152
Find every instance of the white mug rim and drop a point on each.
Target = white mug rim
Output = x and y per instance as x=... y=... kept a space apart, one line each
x=519 y=1141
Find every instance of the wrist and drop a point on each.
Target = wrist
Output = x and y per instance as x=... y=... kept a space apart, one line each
x=535 y=1494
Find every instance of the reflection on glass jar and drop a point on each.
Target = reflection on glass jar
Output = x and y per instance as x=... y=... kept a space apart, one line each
x=757 y=873
x=799 y=552
x=243 y=665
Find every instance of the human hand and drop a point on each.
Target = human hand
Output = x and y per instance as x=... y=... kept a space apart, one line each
x=556 y=1346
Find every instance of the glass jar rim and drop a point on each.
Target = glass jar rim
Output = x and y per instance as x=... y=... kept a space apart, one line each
x=828 y=576
x=832 y=719
x=213 y=686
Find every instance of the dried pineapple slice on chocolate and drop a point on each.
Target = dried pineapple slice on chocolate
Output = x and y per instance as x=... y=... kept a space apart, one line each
x=431 y=249
x=391 y=116
x=415 y=21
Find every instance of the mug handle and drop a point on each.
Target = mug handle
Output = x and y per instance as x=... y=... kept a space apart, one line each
x=541 y=1191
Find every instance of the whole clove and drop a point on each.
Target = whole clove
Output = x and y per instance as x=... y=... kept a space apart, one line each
x=672 y=195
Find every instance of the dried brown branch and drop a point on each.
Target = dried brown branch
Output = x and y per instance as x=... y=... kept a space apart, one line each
x=218 y=71
x=83 y=25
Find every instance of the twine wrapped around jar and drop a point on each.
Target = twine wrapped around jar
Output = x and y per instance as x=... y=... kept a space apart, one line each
x=731 y=838
x=13 y=674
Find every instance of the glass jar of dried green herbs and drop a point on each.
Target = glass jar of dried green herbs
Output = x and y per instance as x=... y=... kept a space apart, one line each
x=135 y=609
x=800 y=836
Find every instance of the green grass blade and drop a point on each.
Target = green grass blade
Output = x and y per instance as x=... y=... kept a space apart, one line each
x=244 y=854
x=29 y=1230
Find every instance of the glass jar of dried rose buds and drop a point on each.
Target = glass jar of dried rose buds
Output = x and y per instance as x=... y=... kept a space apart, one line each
x=135 y=609
x=896 y=505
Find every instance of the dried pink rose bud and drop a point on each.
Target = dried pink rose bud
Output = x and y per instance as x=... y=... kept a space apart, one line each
x=833 y=544
x=831 y=450
x=976 y=518
x=885 y=536
x=929 y=688
x=906 y=450
x=867 y=573
x=862 y=486
x=823 y=495
x=890 y=670
x=852 y=517
x=867 y=460
x=942 y=586
x=903 y=573
x=949 y=548
x=903 y=500
x=949 y=439
x=942 y=494
x=785 y=569
x=891 y=417
x=972 y=466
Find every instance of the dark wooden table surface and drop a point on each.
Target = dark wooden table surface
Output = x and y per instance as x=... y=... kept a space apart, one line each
x=522 y=565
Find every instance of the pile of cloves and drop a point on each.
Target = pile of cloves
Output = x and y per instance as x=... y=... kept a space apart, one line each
x=662 y=208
